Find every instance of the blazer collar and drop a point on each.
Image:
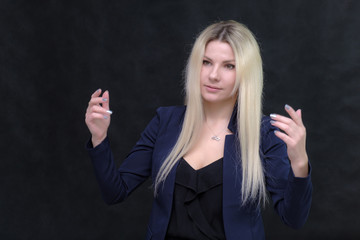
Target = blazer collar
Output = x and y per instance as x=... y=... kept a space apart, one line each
x=233 y=120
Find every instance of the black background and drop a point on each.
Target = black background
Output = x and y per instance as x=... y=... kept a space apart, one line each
x=54 y=54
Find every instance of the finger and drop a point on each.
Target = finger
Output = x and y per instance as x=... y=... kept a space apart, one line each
x=101 y=110
x=299 y=113
x=106 y=100
x=284 y=127
x=94 y=116
x=96 y=93
x=283 y=137
x=281 y=118
x=295 y=117
x=97 y=101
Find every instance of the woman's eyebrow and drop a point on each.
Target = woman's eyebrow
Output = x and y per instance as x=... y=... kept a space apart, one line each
x=226 y=61
x=229 y=61
x=208 y=58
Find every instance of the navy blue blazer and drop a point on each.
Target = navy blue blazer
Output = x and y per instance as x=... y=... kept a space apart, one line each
x=291 y=196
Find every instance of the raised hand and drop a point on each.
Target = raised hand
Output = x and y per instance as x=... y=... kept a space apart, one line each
x=294 y=135
x=97 y=117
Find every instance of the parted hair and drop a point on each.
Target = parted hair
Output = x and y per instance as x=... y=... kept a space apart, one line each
x=248 y=88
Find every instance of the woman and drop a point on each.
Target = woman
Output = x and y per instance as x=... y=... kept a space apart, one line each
x=214 y=161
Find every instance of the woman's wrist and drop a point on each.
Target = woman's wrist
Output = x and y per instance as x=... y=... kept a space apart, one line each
x=97 y=140
x=301 y=167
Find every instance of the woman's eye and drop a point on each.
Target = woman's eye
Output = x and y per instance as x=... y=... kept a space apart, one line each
x=230 y=66
x=205 y=62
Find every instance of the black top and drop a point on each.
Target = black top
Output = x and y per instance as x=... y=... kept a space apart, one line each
x=197 y=204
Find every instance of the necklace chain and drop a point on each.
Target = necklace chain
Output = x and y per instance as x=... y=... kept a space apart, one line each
x=215 y=136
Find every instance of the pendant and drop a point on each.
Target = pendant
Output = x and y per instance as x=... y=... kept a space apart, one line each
x=216 y=138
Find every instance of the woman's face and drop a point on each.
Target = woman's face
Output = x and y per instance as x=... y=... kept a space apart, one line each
x=218 y=74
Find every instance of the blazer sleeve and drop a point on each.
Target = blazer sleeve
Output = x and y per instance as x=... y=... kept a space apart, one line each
x=116 y=184
x=291 y=196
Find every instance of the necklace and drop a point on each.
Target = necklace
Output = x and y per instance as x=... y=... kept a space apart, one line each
x=215 y=136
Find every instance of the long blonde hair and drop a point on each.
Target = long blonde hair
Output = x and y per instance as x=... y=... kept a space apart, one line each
x=248 y=87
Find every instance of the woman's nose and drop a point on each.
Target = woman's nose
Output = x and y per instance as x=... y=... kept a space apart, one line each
x=214 y=75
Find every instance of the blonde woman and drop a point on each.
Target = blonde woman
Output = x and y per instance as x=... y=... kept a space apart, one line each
x=216 y=160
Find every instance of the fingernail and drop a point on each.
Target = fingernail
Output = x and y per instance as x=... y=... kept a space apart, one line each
x=287 y=107
x=104 y=99
x=109 y=111
x=105 y=117
x=275 y=131
x=273 y=115
x=272 y=121
x=98 y=90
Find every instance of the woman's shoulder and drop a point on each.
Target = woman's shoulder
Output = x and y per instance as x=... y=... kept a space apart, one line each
x=171 y=111
x=170 y=115
x=266 y=125
x=268 y=137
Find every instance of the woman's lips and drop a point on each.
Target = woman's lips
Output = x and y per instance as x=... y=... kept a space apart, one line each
x=212 y=88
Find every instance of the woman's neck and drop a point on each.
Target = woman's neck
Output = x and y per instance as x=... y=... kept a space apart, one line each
x=218 y=113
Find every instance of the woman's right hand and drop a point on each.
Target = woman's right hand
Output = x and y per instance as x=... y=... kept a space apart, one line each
x=97 y=117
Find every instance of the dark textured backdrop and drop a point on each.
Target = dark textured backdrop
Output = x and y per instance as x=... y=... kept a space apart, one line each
x=54 y=54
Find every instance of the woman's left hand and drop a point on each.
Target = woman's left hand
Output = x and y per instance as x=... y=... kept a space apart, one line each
x=294 y=135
